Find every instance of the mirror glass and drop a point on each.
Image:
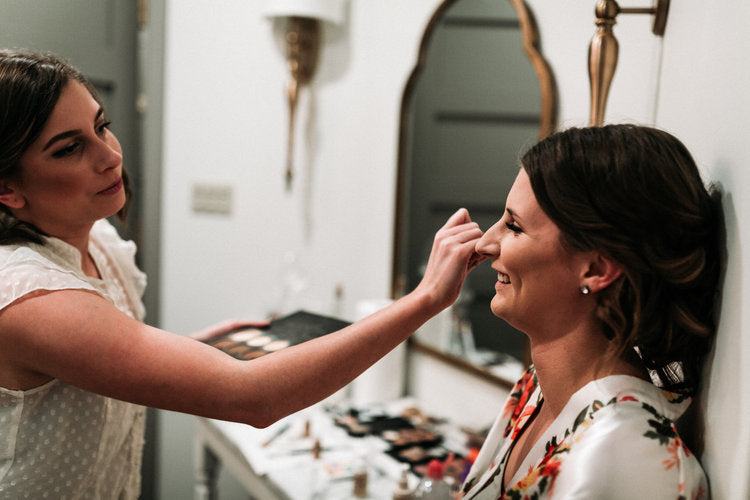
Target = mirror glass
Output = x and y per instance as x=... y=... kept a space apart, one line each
x=479 y=96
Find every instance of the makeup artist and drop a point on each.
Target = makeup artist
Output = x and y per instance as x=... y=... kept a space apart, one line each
x=77 y=365
x=608 y=259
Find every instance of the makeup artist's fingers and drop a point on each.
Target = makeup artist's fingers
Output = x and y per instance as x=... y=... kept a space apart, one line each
x=475 y=260
x=461 y=224
x=226 y=326
x=461 y=216
x=451 y=258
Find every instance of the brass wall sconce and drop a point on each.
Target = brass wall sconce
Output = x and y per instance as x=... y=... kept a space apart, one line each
x=303 y=37
x=604 y=48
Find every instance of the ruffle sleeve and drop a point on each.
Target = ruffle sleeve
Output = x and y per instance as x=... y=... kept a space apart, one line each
x=23 y=270
x=121 y=256
x=123 y=253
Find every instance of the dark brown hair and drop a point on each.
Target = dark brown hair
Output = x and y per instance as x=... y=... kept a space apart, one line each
x=635 y=194
x=30 y=85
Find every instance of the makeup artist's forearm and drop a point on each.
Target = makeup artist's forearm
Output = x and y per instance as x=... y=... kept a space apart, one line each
x=292 y=379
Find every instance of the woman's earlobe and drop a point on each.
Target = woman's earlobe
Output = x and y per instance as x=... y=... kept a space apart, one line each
x=10 y=197
x=601 y=273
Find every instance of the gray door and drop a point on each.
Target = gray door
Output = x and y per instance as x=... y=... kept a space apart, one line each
x=99 y=38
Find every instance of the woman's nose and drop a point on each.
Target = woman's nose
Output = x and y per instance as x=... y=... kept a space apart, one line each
x=110 y=153
x=488 y=244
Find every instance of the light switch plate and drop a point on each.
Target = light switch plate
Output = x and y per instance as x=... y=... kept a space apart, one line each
x=212 y=198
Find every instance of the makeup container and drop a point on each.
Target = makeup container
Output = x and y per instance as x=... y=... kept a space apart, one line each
x=251 y=343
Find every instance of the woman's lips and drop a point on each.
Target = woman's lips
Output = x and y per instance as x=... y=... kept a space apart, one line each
x=502 y=280
x=113 y=188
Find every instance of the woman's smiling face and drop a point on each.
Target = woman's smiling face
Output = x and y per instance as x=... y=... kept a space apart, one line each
x=537 y=278
x=71 y=175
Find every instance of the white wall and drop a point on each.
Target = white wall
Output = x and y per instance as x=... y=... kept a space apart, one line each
x=225 y=122
x=704 y=100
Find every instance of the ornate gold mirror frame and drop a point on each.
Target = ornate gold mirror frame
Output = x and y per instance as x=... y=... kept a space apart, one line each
x=547 y=125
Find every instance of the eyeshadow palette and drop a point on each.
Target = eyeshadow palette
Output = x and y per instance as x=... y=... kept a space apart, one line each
x=357 y=426
x=416 y=436
x=298 y=327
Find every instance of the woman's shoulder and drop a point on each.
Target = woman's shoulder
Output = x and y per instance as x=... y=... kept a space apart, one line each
x=634 y=457
x=623 y=408
x=26 y=269
x=626 y=443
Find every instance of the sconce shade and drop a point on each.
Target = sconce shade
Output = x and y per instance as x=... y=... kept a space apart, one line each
x=332 y=11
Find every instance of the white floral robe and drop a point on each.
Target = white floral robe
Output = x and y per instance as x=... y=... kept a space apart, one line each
x=614 y=439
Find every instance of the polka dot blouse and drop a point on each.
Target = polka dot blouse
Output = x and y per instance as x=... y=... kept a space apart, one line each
x=58 y=441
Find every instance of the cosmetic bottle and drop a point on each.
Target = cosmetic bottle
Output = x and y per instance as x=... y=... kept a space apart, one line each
x=402 y=491
x=360 y=479
x=432 y=486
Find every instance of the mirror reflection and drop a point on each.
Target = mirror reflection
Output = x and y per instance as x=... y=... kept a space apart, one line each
x=480 y=95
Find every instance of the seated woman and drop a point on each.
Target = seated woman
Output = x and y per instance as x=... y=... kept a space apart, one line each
x=608 y=259
x=76 y=362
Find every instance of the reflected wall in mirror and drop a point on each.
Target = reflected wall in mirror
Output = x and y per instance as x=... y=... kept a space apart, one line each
x=480 y=94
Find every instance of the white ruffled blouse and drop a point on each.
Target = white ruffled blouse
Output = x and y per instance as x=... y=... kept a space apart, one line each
x=56 y=440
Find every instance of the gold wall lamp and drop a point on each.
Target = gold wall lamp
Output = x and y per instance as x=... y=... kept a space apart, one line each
x=603 y=49
x=302 y=36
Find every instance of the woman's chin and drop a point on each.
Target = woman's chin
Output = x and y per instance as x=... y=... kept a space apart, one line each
x=498 y=307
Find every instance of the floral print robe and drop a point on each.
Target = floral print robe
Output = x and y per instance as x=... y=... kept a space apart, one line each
x=614 y=439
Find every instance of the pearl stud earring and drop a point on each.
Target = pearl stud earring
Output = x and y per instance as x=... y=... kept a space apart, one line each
x=585 y=290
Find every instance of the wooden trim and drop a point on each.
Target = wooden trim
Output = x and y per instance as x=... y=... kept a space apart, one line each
x=460 y=363
x=473 y=22
x=493 y=118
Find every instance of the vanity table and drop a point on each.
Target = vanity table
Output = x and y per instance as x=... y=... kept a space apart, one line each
x=279 y=462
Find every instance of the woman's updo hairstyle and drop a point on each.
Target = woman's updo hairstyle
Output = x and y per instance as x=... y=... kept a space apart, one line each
x=30 y=85
x=635 y=194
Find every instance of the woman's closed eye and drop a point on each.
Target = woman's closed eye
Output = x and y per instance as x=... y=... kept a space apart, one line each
x=103 y=127
x=67 y=150
x=513 y=227
x=70 y=149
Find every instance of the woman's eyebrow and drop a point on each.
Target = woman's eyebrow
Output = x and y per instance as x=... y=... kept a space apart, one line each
x=69 y=133
x=60 y=137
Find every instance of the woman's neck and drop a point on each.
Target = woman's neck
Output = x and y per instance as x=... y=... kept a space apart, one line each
x=79 y=240
x=568 y=362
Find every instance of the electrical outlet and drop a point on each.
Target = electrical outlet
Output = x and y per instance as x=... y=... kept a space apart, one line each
x=212 y=198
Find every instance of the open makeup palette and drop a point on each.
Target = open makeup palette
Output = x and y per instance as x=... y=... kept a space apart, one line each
x=298 y=327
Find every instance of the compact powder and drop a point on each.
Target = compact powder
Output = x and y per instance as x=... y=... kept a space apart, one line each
x=222 y=343
x=253 y=354
x=259 y=341
x=245 y=335
x=413 y=454
x=237 y=349
x=276 y=345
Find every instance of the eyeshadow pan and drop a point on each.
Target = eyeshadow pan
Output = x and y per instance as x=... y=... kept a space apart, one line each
x=276 y=345
x=259 y=341
x=237 y=349
x=245 y=335
x=222 y=343
x=255 y=353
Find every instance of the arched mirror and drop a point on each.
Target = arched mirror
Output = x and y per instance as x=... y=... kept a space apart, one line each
x=480 y=94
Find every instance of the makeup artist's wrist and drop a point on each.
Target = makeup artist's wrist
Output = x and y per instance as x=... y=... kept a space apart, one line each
x=428 y=302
